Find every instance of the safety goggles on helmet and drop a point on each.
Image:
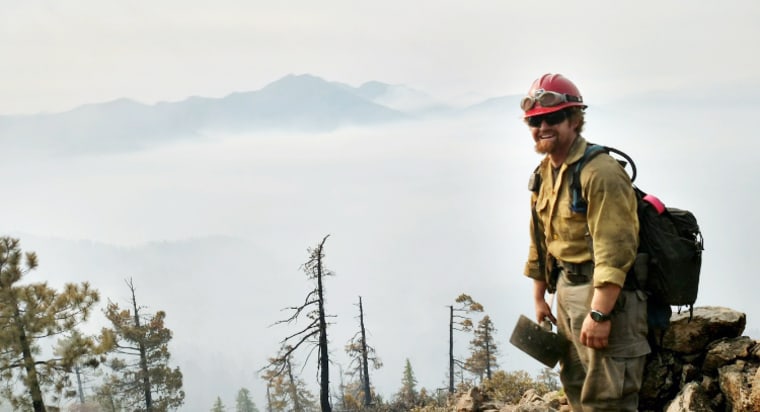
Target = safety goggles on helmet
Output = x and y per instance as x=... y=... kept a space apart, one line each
x=552 y=119
x=548 y=98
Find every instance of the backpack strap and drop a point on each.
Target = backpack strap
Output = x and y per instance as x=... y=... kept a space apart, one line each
x=534 y=185
x=578 y=204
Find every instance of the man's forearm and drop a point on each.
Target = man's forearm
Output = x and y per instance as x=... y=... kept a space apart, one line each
x=539 y=290
x=605 y=297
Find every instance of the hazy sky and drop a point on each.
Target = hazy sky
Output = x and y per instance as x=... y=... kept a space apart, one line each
x=418 y=213
x=57 y=55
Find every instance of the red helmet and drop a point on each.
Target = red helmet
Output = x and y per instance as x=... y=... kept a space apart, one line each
x=550 y=93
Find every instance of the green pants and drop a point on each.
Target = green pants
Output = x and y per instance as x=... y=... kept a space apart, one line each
x=607 y=379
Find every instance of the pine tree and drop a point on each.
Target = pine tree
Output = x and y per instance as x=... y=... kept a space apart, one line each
x=243 y=401
x=106 y=396
x=458 y=320
x=407 y=396
x=142 y=379
x=33 y=313
x=484 y=350
x=218 y=405
x=286 y=392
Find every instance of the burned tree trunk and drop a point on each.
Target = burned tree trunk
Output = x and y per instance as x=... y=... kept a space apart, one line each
x=451 y=350
x=324 y=361
x=365 y=361
x=145 y=373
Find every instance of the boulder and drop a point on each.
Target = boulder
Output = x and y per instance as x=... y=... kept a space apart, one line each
x=736 y=382
x=661 y=378
x=531 y=401
x=470 y=401
x=754 y=397
x=707 y=324
x=554 y=399
x=691 y=398
x=726 y=350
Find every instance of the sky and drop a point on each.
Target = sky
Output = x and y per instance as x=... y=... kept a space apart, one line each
x=417 y=213
x=58 y=55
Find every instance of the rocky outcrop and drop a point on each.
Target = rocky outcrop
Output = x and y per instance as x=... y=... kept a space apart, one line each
x=701 y=363
x=470 y=402
x=530 y=402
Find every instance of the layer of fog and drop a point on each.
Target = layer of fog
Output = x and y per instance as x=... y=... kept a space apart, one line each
x=214 y=232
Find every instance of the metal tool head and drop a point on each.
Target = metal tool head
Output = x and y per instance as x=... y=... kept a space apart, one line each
x=543 y=345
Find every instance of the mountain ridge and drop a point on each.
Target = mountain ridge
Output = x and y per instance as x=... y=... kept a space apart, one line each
x=292 y=103
x=302 y=103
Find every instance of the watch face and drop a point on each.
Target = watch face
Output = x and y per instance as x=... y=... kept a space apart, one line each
x=599 y=316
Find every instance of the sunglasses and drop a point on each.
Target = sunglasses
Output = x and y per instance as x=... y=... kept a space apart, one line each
x=551 y=119
x=547 y=98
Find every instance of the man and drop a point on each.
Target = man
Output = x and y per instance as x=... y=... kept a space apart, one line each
x=585 y=256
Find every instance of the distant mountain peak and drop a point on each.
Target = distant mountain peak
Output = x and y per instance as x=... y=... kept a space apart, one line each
x=115 y=104
x=296 y=80
x=373 y=89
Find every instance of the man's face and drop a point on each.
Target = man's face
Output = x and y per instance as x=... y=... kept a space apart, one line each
x=552 y=133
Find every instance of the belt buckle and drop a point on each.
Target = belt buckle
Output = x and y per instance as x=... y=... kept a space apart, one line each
x=578 y=279
x=573 y=273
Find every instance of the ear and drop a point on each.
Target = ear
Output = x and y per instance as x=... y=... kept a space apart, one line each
x=574 y=122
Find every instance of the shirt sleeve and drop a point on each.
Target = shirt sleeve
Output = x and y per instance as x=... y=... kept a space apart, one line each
x=612 y=220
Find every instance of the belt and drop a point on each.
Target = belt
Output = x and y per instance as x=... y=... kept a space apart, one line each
x=577 y=272
x=576 y=279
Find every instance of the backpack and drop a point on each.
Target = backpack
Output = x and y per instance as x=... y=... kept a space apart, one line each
x=670 y=247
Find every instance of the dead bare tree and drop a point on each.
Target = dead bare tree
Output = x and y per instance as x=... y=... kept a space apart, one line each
x=315 y=333
x=362 y=355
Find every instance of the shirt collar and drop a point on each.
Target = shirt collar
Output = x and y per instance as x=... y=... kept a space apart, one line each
x=577 y=149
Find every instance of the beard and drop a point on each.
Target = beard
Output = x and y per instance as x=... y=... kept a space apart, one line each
x=546 y=146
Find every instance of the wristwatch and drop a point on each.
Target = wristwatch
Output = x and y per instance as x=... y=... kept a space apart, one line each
x=599 y=316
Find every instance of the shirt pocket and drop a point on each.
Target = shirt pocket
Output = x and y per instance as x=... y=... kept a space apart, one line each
x=542 y=203
x=572 y=225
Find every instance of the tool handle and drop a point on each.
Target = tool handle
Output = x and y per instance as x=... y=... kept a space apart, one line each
x=546 y=325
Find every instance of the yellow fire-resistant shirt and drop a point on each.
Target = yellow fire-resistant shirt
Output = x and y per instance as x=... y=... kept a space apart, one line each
x=610 y=220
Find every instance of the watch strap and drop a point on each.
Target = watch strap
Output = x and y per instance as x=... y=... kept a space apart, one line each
x=600 y=316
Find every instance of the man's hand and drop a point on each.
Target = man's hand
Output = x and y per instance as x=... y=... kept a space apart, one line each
x=543 y=310
x=595 y=334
